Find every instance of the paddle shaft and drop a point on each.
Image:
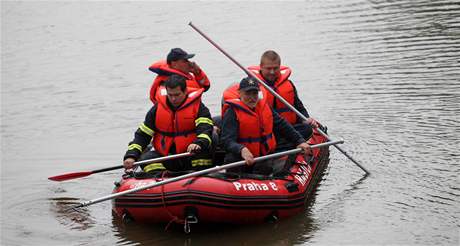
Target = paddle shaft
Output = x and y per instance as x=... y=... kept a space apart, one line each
x=159 y=159
x=75 y=175
x=251 y=74
x=198 y=173
x=163 y=158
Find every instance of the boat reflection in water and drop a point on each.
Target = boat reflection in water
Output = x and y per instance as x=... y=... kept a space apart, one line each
x=287 y=232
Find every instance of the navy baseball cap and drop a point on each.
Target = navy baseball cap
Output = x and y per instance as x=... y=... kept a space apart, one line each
x=248 y=84
x=178 y=54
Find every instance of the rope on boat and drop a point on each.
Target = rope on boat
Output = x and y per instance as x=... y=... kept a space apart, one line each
x=173 y=217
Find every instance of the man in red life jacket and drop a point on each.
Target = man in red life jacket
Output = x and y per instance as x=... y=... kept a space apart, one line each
x=177 y=62
x=179 y=122
x=276 y=76
x=249 y=125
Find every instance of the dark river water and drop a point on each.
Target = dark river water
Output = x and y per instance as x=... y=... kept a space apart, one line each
x=383 y=75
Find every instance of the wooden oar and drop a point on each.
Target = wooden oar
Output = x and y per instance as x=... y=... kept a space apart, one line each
x=199 y=173
x=75 y=175
x=251 y=74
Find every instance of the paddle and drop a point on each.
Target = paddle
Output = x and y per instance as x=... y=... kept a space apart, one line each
x=198 y=173
x=251 y=74
x=75 y=175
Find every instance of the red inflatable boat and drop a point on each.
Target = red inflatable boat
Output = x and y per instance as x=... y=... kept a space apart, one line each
x=226 y=197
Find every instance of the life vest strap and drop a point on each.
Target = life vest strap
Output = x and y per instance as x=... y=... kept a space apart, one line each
x=175 y=134
x=282 y=110
x=255 y=140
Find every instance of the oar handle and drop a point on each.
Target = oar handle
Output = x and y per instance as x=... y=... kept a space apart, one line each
x=251 y=74
x=199 y=173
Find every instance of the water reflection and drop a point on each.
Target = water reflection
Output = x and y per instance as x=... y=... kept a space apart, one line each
x=334 y=208
x=291 y=231
x=75 y=219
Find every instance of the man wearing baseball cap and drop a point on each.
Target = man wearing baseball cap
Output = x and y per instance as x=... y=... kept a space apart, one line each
x=177 y=62
x=249 y=126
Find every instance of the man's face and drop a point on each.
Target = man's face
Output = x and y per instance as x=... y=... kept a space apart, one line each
x=176 y=96
x=250 y=98
x=182 y=65
x=270 y=69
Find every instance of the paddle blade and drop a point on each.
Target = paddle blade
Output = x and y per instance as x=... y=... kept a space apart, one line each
x=68 y=176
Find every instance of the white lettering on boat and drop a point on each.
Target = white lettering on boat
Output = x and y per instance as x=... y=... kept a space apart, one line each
x=141 y=184
x=253 y=186
x=303 y=174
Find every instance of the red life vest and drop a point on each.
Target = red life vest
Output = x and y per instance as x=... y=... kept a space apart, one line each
x=284 y=87
x=164 y=71
x=231 y=92
x=255 y=126
x=178 y=126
